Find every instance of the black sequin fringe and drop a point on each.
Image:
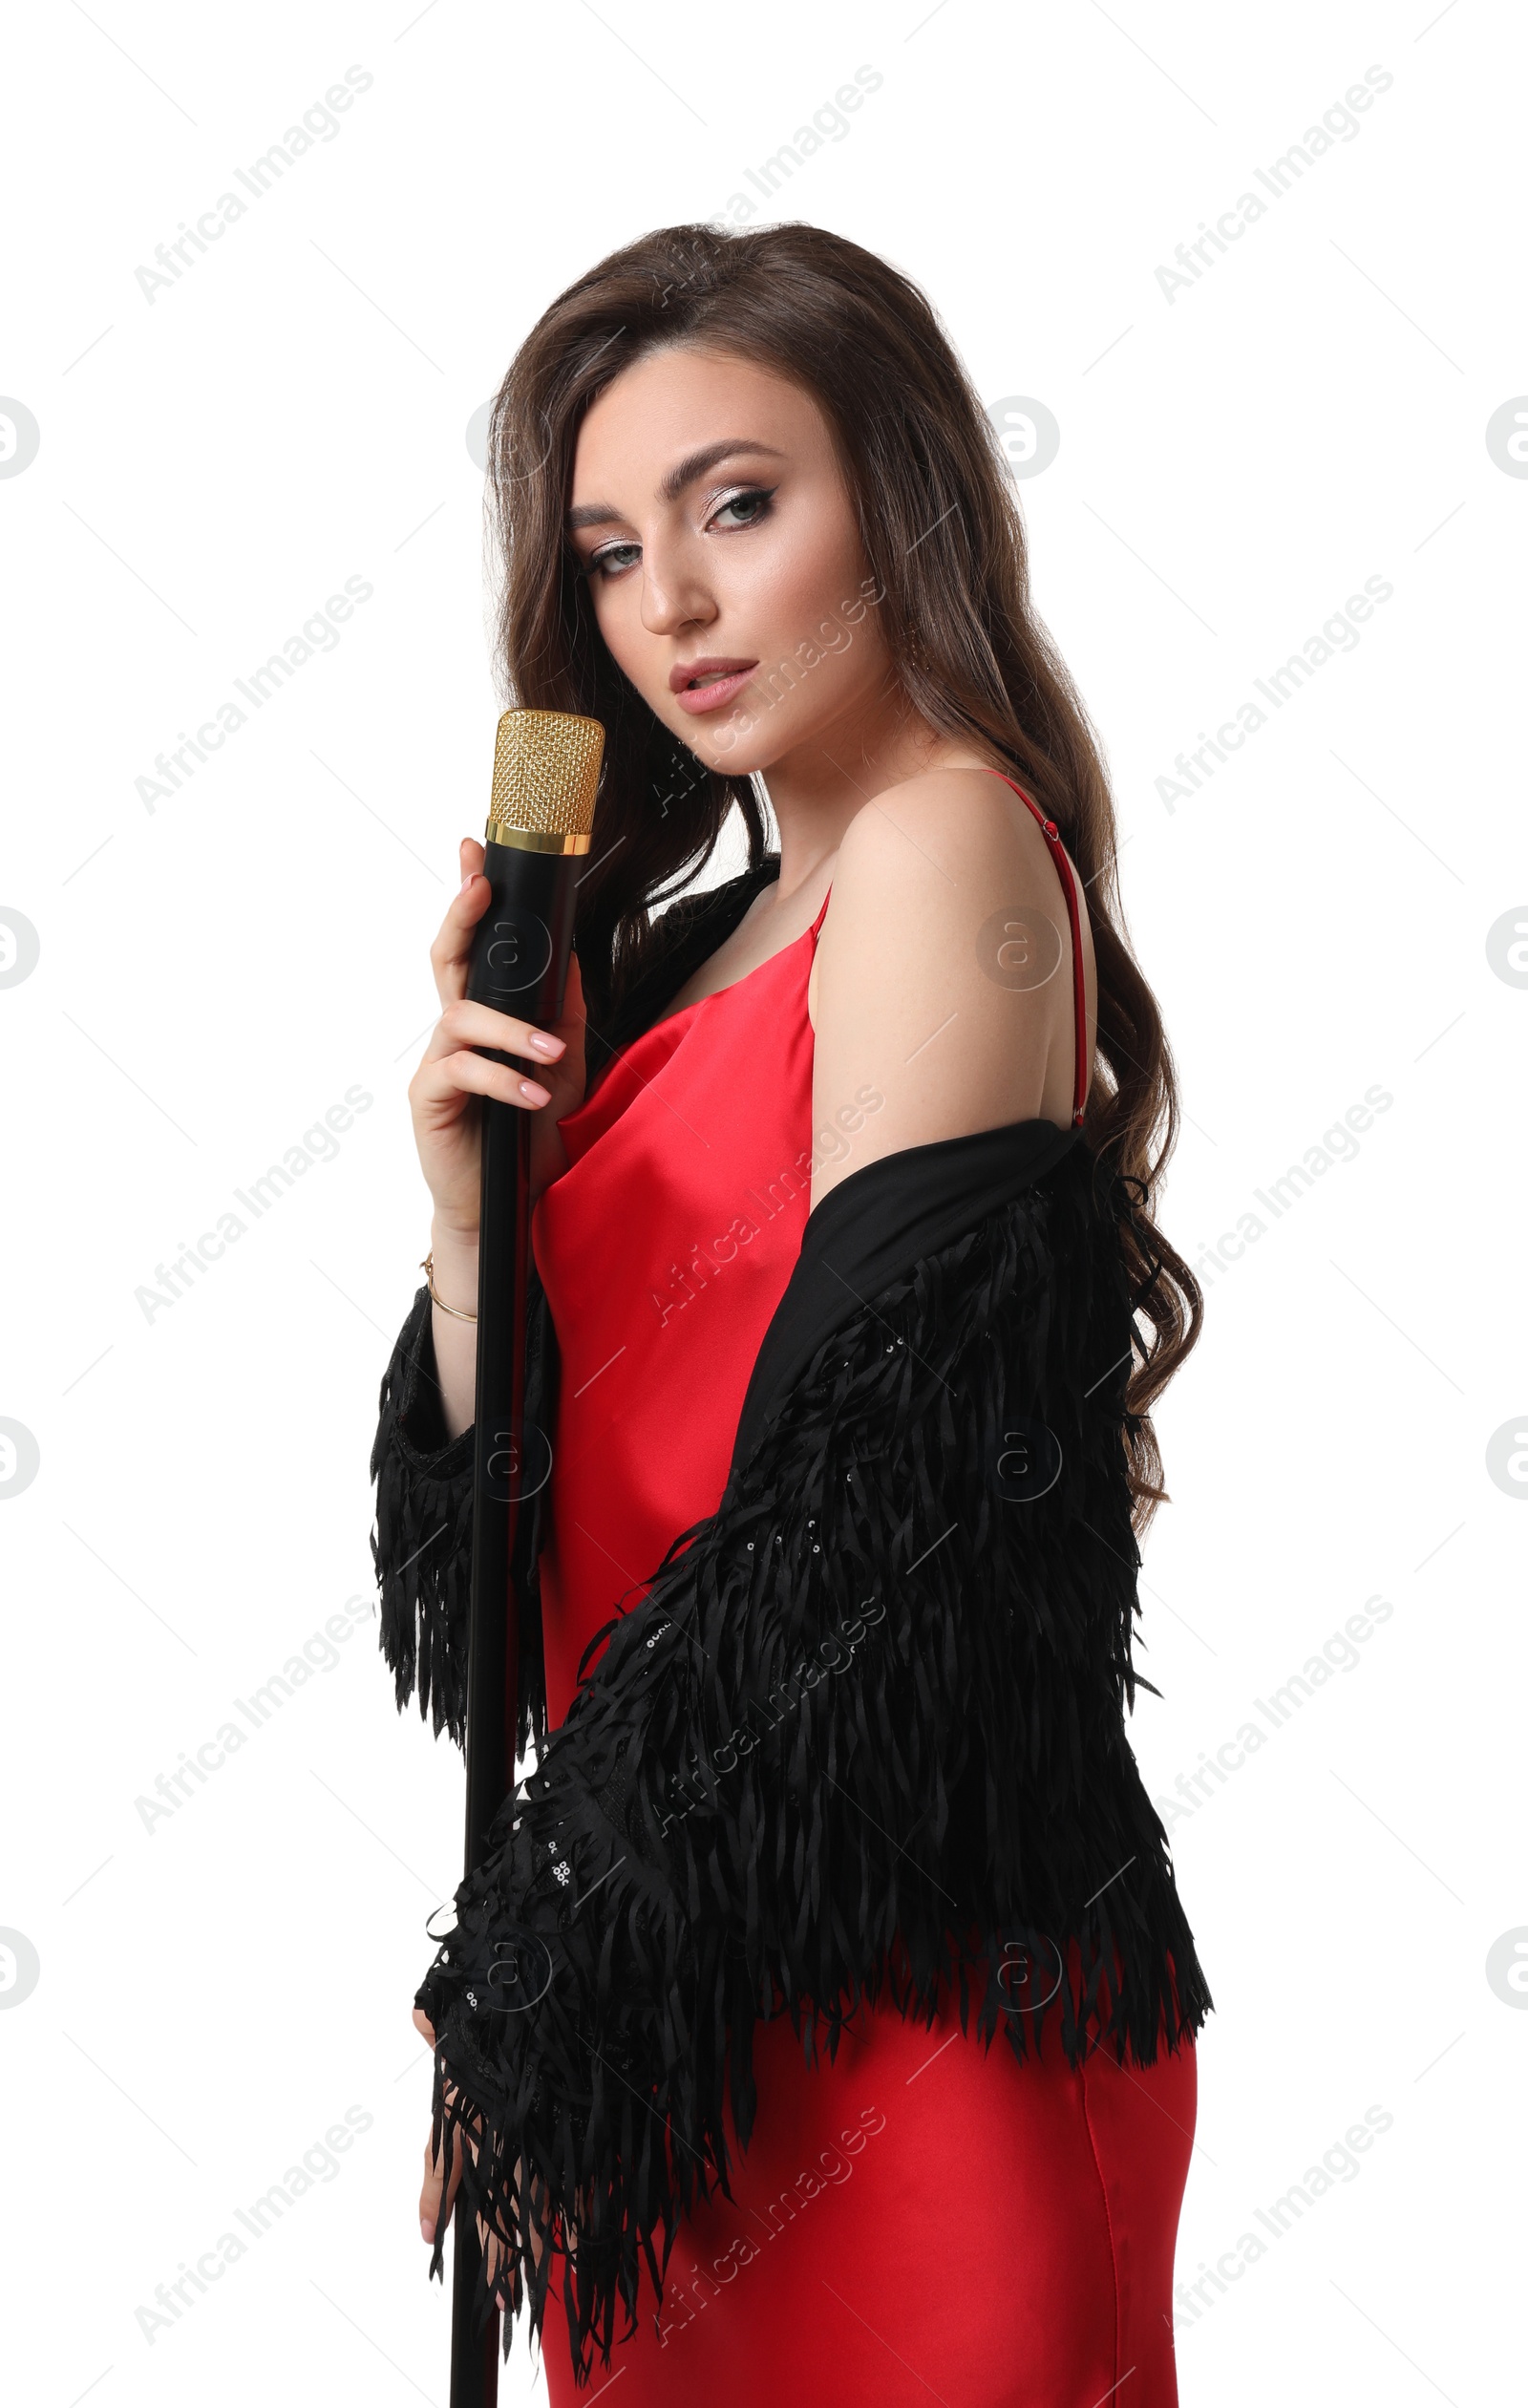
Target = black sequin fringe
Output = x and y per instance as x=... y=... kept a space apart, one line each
x=421 y=1541
x=863 y=1736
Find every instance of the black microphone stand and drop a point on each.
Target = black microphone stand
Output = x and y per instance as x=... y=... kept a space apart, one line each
x=493 y=1641
x=519 y=965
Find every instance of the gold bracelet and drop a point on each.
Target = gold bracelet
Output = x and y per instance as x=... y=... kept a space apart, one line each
x=428 y=1267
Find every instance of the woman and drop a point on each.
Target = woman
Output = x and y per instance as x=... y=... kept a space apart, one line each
x=843 y=1178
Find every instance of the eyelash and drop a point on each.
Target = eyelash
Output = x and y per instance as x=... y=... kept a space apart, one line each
x=595 y=564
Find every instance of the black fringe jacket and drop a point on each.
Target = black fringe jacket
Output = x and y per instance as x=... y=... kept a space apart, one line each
x=863 y=1737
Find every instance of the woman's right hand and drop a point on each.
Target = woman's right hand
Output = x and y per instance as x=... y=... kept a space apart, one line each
x=432 y=2207
x=446 y=1129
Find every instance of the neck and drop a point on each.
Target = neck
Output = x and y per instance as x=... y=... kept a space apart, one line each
x=818 y=787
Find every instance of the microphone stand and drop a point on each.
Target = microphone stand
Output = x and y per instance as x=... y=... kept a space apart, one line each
x=545 y=769
x=494 y=1624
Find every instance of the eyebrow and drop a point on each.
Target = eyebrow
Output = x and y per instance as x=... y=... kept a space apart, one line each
x=683 y=474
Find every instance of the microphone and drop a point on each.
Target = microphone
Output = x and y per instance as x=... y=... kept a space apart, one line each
x=541 y=816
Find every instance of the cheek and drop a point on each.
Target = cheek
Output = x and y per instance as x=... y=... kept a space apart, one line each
x=794 y=609
x=632 y=646
x=807 y=577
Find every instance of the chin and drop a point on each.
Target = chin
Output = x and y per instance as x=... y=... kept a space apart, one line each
x=748 y=756
x=754 y=754
x=751 y=742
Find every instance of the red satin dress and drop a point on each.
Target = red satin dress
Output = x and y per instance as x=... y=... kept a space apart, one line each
x=924 y=2219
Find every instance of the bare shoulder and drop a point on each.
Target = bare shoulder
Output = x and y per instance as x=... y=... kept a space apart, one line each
x=960 y=827
x=944 y=977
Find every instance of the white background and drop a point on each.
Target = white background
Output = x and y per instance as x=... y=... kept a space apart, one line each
x=216 y=1991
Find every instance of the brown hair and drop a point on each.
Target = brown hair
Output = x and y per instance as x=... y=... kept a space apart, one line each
x=941 y=529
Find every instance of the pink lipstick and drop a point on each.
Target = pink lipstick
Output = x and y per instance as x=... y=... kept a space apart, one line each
x=709 y=684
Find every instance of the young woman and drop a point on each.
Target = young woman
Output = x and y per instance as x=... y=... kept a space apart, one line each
x=850 y=1307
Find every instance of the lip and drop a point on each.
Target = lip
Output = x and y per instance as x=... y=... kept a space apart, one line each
x=730 y=677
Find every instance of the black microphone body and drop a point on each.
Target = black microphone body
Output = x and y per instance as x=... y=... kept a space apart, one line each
x=519 y=965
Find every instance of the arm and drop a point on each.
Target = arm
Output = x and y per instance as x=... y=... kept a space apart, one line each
x=917 y=996
x=441 y=1098
x=422 y=1457
x=421 y=1541
x=453 y=1343
x=421 y=1545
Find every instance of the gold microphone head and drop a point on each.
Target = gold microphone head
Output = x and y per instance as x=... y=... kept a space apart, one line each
x=546 y=774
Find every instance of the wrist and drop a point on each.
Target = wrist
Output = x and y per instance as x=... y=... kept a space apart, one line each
x=452 y=1241
x=454 y=1256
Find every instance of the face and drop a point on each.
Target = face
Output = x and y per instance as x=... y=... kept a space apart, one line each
x=712 y=516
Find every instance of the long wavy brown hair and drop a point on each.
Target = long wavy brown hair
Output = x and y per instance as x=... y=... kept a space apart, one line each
x=940 y=524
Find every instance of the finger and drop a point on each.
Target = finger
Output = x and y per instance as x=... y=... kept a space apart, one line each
x=488 y=2244
x=434 y=2208
x=574 y=1012
x=439 y=1083
x=429 y=2189
x=452 y=950
x=429 y=2192
x=466 y=1023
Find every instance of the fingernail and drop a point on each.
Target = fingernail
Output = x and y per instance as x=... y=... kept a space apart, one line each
x=532 y=1092
x=427 y=2227
x=466 y=881
x=545 y=1045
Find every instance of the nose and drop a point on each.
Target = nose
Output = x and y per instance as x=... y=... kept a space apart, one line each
x=674 y=596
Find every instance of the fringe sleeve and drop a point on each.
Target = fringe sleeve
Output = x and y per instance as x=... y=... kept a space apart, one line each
x=421 y=1543
x=876 y=1698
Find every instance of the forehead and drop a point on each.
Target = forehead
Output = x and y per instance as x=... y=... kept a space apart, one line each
x=676 y=402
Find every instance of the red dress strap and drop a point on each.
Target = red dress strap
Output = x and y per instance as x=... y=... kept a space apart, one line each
x=824 y=913
x=1079 y=992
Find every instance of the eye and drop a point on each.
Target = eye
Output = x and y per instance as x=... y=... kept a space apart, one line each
x=611 y=559
x=749 y=506
x=755 y=500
